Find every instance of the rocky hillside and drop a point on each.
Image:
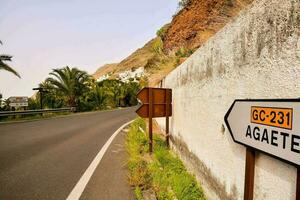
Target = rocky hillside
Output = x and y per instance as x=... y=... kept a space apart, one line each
x=194 y=24
x=198 y=21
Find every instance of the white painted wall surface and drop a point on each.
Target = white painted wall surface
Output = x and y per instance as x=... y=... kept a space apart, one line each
x=257 y=55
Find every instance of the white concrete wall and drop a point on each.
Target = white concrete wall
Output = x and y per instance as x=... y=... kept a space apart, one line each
x=257 y=55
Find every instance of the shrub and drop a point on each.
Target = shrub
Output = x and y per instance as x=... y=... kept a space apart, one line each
x=183 y=3
x=162 y=31
x=157 y=46
x=183 y=52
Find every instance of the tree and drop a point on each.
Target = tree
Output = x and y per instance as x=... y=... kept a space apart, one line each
x=96 y=98
x=132 y=88
x=99 y=96
x=51 y=97
x=3 y=66
x=71 y=82
x=33 y=104
x=111 y=91
x=120 y=93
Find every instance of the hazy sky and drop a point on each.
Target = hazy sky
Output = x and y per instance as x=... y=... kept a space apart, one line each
x=42 y=35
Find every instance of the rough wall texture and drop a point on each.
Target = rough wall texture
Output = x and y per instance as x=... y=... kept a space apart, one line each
x=257 y=55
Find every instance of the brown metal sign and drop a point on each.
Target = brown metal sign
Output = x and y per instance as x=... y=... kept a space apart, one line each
x=161 y=101
x=157 y=102
x=159 y=95
x=159 y=110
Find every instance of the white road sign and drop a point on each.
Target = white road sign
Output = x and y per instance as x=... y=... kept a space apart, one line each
x=18 y=104
x=271 y=126
x=18 y=101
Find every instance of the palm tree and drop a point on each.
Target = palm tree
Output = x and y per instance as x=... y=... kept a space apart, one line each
x=99 y=96
x=117 y=87
x=3 y=65
x=132 y=88
x=51 y=97
x=71 y=82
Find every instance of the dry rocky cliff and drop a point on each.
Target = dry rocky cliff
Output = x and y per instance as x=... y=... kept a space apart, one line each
x=192 y=26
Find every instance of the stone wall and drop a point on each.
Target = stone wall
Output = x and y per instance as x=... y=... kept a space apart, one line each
x=257 y=55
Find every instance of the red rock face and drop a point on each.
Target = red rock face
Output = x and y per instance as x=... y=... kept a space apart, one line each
x=198 y=21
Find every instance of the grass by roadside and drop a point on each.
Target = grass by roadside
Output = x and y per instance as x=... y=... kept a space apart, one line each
x=162 y=172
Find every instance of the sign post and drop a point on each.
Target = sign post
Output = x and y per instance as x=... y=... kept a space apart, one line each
x=41 y=91
x=150 y=111
x=249 y=173
x=269 y=126
x=168 y=102
x=157 y=102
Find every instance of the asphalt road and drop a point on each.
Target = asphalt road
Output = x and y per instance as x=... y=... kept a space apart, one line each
x=45 y=159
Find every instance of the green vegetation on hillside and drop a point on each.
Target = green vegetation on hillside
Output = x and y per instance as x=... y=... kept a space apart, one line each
x=162 y=31
x=162 y=172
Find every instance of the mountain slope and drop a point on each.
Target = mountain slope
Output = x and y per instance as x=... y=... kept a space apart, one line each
x=137 y=59
x=192 y=26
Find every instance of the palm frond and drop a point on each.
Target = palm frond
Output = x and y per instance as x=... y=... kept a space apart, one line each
x=59 y=85
x=5 y=57
x=72 y=82
x=6 y=67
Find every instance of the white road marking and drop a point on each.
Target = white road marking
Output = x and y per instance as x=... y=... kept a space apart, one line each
x=83 y=181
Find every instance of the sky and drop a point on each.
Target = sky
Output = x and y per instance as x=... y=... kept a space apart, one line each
x=45 y=34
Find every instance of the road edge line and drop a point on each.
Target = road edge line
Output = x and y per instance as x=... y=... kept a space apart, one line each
x=84 y=179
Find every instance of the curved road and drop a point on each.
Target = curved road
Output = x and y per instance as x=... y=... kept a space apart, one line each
x=45 y=159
